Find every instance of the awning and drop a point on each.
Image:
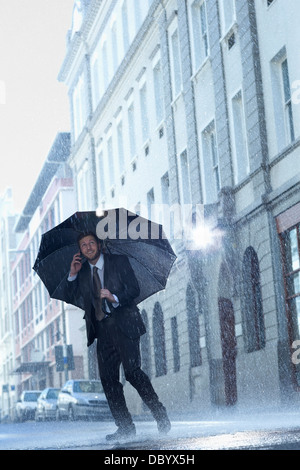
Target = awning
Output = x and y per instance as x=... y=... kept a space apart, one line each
x=31 y=367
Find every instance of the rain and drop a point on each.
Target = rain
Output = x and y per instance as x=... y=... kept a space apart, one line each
x=169 y=129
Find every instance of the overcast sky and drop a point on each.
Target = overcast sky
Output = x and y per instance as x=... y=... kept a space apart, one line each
x=33 y=104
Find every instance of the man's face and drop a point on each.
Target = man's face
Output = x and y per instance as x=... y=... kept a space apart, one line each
x=90 y=248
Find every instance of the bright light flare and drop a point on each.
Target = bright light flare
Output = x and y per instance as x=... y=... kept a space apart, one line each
x=204 y=237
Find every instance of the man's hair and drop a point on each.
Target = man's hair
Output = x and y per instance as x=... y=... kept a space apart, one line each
x=87 y=234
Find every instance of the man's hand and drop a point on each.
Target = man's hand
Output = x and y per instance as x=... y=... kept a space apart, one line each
x=76 y=264
x=106 y=294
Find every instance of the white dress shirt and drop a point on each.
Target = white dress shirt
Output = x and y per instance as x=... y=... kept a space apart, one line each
x=100 y=266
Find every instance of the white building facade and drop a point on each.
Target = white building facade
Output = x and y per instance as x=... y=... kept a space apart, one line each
x=189 y=103
x=8 y=241
x=39 y=322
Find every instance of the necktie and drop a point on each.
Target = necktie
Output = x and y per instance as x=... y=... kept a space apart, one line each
x=96 y=294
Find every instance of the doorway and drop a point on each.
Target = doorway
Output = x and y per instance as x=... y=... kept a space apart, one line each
x=228 y=343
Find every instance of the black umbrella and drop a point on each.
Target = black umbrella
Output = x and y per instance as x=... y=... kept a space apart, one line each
x=123 y=233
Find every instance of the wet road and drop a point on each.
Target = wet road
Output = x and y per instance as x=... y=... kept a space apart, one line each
x=272 y=431
x=283 y=439
x=247 y=440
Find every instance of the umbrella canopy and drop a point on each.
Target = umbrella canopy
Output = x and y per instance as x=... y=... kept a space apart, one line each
x=123 y=233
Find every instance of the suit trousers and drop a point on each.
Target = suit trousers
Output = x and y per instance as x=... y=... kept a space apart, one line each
x=113 y=349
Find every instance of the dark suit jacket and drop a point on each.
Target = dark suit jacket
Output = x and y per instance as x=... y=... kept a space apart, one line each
x=120 y=280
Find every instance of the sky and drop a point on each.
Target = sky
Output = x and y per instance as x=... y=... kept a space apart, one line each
x=34 y=106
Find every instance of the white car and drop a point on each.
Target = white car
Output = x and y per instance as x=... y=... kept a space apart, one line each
x=46 y=404
x=26 y=406
x=82 y=399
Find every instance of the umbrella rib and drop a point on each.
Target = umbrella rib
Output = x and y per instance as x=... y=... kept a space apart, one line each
x=146 y=267
x=61 y=248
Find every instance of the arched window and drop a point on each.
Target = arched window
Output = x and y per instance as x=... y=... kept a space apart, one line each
x=145 y=346
x=193 y=328
x=159 y=341
x=254 y=328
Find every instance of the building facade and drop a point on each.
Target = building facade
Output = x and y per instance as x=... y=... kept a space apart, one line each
x=39 y=322
x=187 y=104
x=8 y=241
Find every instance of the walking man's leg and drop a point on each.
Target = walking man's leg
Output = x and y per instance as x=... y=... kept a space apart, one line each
x=140 y=381
x=109 y=371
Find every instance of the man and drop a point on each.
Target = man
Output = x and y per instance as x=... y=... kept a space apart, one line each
x=117 y=327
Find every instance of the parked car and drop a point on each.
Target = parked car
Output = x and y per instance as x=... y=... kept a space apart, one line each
x=46 y=404
x=26 y=405
x=82 y=399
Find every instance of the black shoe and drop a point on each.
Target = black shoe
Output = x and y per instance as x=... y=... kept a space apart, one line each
x=123 y=432
x=163 y=422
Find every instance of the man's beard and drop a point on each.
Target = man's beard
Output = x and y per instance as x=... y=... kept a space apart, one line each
x=95 y=256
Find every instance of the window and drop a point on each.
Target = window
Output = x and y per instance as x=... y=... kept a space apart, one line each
x=57 y=329
x=211 y=180
x=175 y=344
x=137 y=14
x=289 y=230
x=199 y=32
x=137 y=208
x=125 y=26
x=231 y=41
x=288 y=113
x=110 y=158
x=15 y=283
x=83 y=187
x=241 y=160
x=96 y=78
x=40 y=305
x=165 y=188
x=159 y=341
x=144 y=112
x=185 y=178
x=114 y=47
x=193 y=328
x=17 y=323
x=120 y=146
x=158 y=92
x=51 y=215
x=175 y=61
x=150 y=204
x=282 y=102
x=105 y=65
x=80 y=108
x=227 y=15
x=101 y=173
x=254 y=328
x=185 y=193
x=131 y=128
